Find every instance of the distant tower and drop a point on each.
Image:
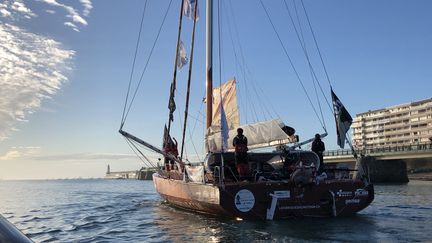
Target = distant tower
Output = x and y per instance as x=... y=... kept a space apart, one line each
x=108 y=170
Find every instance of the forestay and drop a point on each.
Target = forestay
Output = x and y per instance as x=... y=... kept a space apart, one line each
x=259 y=135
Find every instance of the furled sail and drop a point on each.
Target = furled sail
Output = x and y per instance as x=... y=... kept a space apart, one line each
x=229 y=102
x=259 y=135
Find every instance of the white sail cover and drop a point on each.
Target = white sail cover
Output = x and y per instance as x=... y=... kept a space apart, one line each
x=229 y=99
x=259 y=135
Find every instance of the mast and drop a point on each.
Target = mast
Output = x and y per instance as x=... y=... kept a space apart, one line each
x=209 y=61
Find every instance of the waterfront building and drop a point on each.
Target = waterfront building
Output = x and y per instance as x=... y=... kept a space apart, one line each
x=404 y=124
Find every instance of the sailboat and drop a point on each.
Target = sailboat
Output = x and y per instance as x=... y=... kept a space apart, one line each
x=283 y=181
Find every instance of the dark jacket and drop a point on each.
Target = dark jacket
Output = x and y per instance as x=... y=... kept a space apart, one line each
x=318 y=146
x=240 y=144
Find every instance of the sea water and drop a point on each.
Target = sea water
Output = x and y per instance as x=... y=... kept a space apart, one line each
x=97 y=210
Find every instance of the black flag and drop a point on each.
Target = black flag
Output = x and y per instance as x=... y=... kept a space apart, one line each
x=343 y=119
x=171 y=103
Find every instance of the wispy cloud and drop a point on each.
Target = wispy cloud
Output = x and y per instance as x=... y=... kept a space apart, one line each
x=19 y=152
x=72 y=13
x=73 y=26
x=85 y=157
x=33 y=68
x=87 y=4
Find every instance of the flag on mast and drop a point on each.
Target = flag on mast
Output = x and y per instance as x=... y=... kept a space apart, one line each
x=182 y=58
x=189 y=9
x=343 y=119
x=224 y=129
x=171 y=102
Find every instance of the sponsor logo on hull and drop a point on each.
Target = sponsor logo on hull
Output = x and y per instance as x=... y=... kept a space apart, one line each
x=244 y=200
x=341 y=193
x=361 y=193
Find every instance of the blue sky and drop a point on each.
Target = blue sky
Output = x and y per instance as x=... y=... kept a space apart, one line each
x=66 y=65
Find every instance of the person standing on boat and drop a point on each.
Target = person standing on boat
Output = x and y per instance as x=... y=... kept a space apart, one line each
x=170 y=147
x=240 y=145
x=318 y=147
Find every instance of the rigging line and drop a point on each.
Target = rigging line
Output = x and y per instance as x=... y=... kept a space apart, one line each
x=142 y=154
x=130 y=146
x=133 y=64
x=312 y=73
x=319 y=52
x=237 y=63
x=290 y=61
x=148 y=59
x=242 y=67
x=305 y=52
x=315 y=41
x=245 y=66
x=193 y=131
x=219 y=50
x=299 y=22
x=189 y=78
x=245 y=91
x=174 y=81
x=200 y=114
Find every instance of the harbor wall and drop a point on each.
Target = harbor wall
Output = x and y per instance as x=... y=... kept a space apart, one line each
x=131 y=175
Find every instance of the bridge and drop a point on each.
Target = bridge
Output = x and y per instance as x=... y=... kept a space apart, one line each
x=412 y=151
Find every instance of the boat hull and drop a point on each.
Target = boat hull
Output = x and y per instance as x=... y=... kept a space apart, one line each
x=267 y=200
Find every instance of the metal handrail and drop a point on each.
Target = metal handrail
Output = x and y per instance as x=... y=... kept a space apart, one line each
x=382 y=149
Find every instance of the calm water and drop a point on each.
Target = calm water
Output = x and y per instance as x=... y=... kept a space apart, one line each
x=131 y=211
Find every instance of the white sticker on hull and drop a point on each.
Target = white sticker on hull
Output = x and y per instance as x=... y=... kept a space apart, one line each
x=361 y=193
x=244 y=200
x=352 y=201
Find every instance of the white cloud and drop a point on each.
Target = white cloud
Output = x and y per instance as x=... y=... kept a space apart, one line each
x=5 y=13
x=73 y=26
x=50 y=11
x=73 y=14
x=87 y=4
x=15 y=9
x=32 y=69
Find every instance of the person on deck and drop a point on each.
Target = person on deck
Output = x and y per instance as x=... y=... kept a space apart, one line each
x=318 y=147
x=170 y=147
x=240 y=145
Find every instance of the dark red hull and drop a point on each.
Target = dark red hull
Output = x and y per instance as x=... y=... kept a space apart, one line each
x=267 y=200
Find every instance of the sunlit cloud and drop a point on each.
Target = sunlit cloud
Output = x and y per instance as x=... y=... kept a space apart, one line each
x=11 y=155
x=33 y=68
x=16 y=153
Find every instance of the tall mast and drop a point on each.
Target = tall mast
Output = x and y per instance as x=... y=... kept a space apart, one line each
x=209 y=61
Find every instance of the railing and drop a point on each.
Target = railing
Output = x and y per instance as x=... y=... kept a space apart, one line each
x=382 y=149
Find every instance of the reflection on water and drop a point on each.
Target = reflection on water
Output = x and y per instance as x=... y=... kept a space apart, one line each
x=112 y=211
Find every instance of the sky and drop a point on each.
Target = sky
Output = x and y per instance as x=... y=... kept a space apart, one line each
x=65 y=68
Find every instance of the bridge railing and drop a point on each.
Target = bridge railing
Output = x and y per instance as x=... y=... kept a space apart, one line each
x=382 y=149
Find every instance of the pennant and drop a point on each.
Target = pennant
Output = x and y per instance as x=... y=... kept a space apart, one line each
x=182 y=58
x=189 y=9
x=224 y=129
x=343 y=120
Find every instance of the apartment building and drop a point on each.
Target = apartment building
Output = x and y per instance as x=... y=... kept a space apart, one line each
x=397 y=125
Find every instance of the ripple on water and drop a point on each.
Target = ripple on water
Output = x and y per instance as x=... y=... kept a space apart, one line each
x=121 y=211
